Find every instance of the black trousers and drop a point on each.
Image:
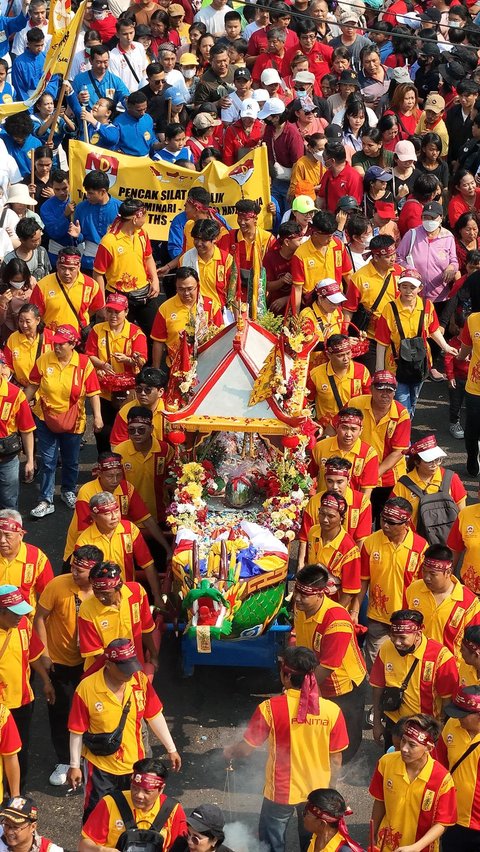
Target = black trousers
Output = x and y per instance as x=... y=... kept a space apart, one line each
x=65 y=680
x=458 y=837
x=102 y=438
x=143 y=314
x=352 y=705
x=98 y=784
x=456 y=396
x=23 y=720
x=472 y=427
x=378 y=498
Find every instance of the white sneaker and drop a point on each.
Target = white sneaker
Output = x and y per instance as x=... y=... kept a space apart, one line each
x=456 y=430
x=69 y=498
x=59 y=775
x=42 y=509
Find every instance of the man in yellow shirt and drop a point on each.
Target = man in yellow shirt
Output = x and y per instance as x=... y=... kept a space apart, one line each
x=149 y=388
x=22 y=564
x=211 y=263
x=56 y=624
x=324 y=313
x=339 y=380
x=145 y=460
x=67 y=295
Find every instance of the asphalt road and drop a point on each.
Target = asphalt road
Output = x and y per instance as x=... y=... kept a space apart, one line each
x=209 y=710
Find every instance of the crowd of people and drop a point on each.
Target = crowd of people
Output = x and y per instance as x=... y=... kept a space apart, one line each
x=370 y=116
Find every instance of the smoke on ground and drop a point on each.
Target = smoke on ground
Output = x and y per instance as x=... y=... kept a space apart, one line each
x=241 y=838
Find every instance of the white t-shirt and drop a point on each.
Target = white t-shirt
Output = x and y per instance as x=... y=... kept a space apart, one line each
x=20 y=41
x=214 y=19
x=80 y=63
x=138 y=60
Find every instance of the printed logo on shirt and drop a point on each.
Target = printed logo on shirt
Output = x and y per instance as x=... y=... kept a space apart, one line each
x=104 y=624
x=365 y=285
x=119 y=823
x=6 y=410
x=52 y=293
x=24 y=640
x=389 y=784
x=15 y=354
x=415 y=601
x=139 y=699
x=94 y=138
x=99 y=706
x=428 y=672
x=324 y=388
x=376 y=556
x=28 y=572
x=470 y=530
x=310 y=262
x=457 y=617
x=124 y=505
x=428 y=800
x=160 y=466
x=136 y=613
x=49 y=371
x=147 y=136
x=449 y=739
x=317 y=641
x=127 y=540
x=120 y=250
x=127 y=465
x=173 y=316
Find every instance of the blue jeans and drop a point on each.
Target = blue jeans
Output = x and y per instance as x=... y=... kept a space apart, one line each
x=49 y=444
x=408 y=396
x=9 y=483
x=274 y=820
x=279 y=190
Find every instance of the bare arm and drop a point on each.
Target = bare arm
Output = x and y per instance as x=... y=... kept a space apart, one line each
x=154 y=583
x=28 y=449
x=100 y=279
x=378 y=728
x=160 y=728
x=11 y=769
x=87 y=845
x=389 y=462
x=456 y=557
x=381 y=351
x=429 y=837
x=345 y=600
x=465 y=351
x=97 y=414
x=154 y=531
x=378 y=812
x=237 y=750
x=158 y=349
x=302 y=552
x=335 y=767
x=152 y=276
x=39 y=624
x=297 y=292
x=30 y=391
x=149 y=644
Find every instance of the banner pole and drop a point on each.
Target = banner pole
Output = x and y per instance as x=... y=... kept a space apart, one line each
x=65 y=77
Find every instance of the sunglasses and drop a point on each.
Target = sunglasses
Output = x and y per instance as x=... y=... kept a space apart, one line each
x=137 y=430
x=195 y=839
x=144 y=389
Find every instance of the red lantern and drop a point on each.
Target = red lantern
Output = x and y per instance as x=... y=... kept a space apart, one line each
x=176 y=437
x=290 y=442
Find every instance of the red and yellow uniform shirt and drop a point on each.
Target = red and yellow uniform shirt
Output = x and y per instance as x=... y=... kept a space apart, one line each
x=364 y=287
x=62 y=599
x=386 y=331
x=119 y=432
x=435 y=677
x=311 y=265
x=335 y=844
x=392 y=432
x=457 y=491
x=147 y=473
x=323 y=325
x=187 y=231
x=99 y=624
x=445 y=621
x=213 y=273
x=299 y=753
x=453 y=743
x=21 y=353
x=465 y=535
x=355 y=382
x=61 y=386
x=126 y=547
x=104 y=343
x=340 y=556
x=467 y=675
x=95 y=708
x=15 y=412
x=84 y=293
x=246 y=252
x=131 y=505
x=105 y=825
x=330 y=633
x=390 y=569
x=358 y=517
x=121 y=259
x=412 y=807
x=364 y=459
x=18 y=648
x=30 y=570
x=10 y=742
x=470 y=336
x=173 y=317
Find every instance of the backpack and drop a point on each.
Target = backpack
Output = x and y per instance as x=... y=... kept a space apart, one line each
x=135 y=839
x=411 y=358
x=436 y=512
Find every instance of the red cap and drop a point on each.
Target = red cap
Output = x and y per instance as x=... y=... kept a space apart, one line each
x=427 y=448
x=66 y=334
x=463 y=703
x=385 y=209
x=117 y=302
x=382 y=378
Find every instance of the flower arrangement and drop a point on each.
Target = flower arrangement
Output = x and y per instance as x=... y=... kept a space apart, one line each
x=194 y=482
x=288 y=486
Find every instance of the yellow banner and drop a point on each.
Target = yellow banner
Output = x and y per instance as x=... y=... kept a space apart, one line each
x=56 y=63
x=59 y=16
x=163 y=187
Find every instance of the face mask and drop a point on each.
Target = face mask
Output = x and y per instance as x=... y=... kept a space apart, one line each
x=454 y=25
x=88 y=51
x=188 y=73
x=318 y=156
x=405 y=651
x=99 y=16
x=301 y=93
x=17 y=285
x=430 y=225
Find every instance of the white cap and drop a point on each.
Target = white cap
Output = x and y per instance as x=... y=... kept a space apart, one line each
x=260 y=95
x=274 y=106
x=269 y=76
x=304 y=77
x=432 y=454
x=249 y=108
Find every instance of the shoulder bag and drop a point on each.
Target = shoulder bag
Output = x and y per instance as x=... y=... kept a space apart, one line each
x=362 y=316
x=392 y=696
x=105 y=744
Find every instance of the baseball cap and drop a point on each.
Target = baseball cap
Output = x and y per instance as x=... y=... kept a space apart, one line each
x=427 y=448
x=11 y=598
x=385 y=209
x=303 y=204
x=349 y=77
x=410 y=276
x=274 y=106
x=117 y=302
x=405 y=150
x=249 y=109
x=383 y=380
x=188 y=59
x=207 y=818
x=452 y=72
x=177 y=97
x=330 y=289
x=66 y=334
x=431 y=14
x=333 y=132
x=401 y=75
x=269 y=76
x=18 y=809
x=122 y=653
x=465 y=701
x=377 y=173
x=434 y=102
x=429 y=48
x=304 y=77
x=242 y=74
x=348 y=16
x=175 y=10
x=433 y=208
x=204 y=120
x=99 y=6
x=260 y=95
x=347 y=202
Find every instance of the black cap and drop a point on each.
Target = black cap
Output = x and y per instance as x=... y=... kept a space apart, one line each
x=433 y=208
x=242 y=74
x=333 y=132
x=99 y=6
x=207 y=819
x=18 y=809
x=347 y=202
x=431 y=14
x=429 y=48
x=452 y=72
x=349 y=77
x=467 y=56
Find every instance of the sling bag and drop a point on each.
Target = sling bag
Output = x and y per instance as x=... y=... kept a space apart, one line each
x=392 y=696
x=335 y=392
x=108 y=743
x=412 y=354
x=465 y=754
x=84 y=329
x=131 y=67
x=94 y=84
x=362 y=316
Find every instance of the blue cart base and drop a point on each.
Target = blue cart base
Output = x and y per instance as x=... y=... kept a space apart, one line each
x=261 y=652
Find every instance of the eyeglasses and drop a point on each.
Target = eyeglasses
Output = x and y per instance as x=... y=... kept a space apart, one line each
x=15 y=829
x=196 y=839
x=136 y=430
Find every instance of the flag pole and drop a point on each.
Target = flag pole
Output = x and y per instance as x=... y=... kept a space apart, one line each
x=65 y=77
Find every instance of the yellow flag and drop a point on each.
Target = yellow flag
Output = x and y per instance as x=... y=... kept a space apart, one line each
x=263 y=386
x=55 y=63
x=59 y=16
